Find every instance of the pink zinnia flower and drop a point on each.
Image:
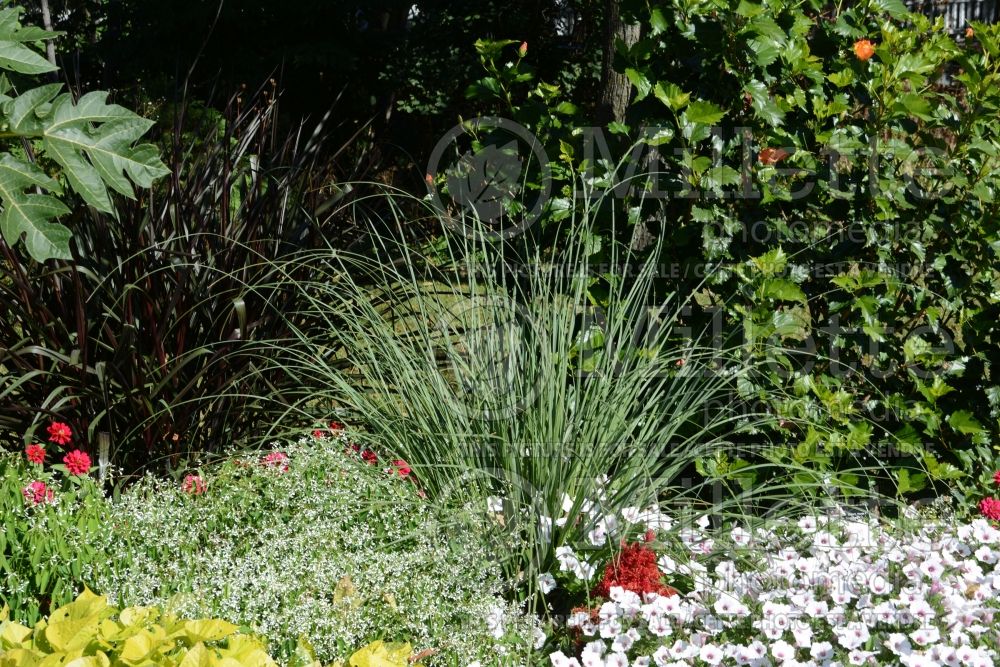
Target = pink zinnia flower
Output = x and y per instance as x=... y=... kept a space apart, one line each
x=37 y=492
x=194 y=485
x=990 y=508
x=60 y=433
x=277 y=460
x=35 y=453
x=77 y=462
x=401 y=467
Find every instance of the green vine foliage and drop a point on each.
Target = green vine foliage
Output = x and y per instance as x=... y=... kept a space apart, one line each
x=52 y=139
x=836 y=210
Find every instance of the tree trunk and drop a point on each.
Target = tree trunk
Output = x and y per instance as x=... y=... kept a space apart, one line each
x=50 y=47
x=616 y=90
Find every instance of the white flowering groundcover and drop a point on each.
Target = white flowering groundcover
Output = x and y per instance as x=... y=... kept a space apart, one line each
x=821 y=591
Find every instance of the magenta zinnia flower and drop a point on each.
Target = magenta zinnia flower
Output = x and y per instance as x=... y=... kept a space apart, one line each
x=990 y=508
x=77 y=462
x=194 y=485
x=60 y=433
x=277 y=460
x=37 y=492
x=35 y=453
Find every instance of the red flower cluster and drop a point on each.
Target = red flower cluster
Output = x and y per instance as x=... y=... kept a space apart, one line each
x=368 y=456
x=35 y=454
x=401 y=467
x=278 y=460
x=37 y=493
x=634 y=569
x=194 y=485
x=77 y=463
x=60 y=433
x=334 y=428
x=990 y=508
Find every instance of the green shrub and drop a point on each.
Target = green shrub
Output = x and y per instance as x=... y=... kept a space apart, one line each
x=333 y=549
x=843 y=212
x=89 y=632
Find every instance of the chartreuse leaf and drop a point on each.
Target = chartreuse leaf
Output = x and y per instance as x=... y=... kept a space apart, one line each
x=303 y=655
x=380 y=654
x=85 y=633
x=19 y=657
x=206 y=630
x=99 y=659
x=13 y=634
x=197 y=656
x=248 y=652
x=73 y=626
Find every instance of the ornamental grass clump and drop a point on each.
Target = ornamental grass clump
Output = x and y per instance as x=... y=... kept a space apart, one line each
x=308 y=540
x=499 y=370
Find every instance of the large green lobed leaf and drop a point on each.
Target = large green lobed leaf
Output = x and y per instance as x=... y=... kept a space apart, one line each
x=88 y=142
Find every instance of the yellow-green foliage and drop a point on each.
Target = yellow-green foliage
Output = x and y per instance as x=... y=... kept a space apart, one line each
x=89 y=633
x=380 y=654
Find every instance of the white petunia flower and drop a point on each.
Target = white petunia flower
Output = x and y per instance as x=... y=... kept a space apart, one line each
x=852 y=635
x=711 y=654
x=616 y=660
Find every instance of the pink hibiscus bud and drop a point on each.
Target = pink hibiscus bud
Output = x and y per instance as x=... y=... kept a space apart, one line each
x=522 y=50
